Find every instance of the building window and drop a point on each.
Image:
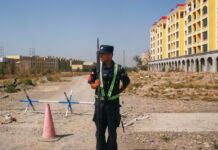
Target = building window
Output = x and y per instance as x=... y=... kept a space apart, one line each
x=195 y=50
x=169 y=30
x=189 y=18
x=205 y=22
x=189 y=29
x=185 y=42
x=190 y=51
x=177 y=53
x=204 y=1
x=205 y=48
x=205 y=35
x=205 y=10
x=161 y=42
x=177 y=26
x=181 y=15
x=177 y=34
x=194 y=27
x=190 y=40
x=161 y=34
x=161 y=49
x=190 y=9
x=169 y=38
x=177 y=44
x=168 y=46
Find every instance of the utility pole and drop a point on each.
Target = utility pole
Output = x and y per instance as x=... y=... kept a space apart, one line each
x=32 y=51
x=124 y=58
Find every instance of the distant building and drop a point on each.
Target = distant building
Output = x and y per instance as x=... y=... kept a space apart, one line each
x=36 y=63
x=77 y=67
x=187 y=38
x=87 y=66
x=51 y=63
x=82 y=66
x=7 y=65
x=3 y=59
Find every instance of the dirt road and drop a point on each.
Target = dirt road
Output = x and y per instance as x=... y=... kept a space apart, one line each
x=77 y=131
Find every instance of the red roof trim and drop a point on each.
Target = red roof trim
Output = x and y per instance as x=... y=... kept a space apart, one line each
x=172 y=9
x=155 y=24
x=181 y=5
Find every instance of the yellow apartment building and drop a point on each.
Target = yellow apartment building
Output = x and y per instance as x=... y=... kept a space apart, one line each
x=187 y=38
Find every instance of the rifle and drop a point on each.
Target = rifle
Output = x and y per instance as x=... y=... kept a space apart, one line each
x=98 y=93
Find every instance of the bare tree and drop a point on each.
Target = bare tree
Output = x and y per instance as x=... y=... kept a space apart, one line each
x=138 y=60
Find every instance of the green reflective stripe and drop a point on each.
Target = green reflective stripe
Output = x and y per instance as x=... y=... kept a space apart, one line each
x=114 y=97
x=101 y=98
x=110 y=98
x=112 y=84
x=113 y=81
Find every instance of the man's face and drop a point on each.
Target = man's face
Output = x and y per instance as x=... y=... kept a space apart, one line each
x=106 y=57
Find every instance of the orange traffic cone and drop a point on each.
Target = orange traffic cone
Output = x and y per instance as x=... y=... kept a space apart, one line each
x=48 y=130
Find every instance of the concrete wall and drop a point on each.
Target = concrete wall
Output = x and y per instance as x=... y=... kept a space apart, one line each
x=204 y=62
x=3 y=59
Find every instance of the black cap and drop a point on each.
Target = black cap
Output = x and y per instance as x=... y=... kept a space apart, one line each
x=106 y=49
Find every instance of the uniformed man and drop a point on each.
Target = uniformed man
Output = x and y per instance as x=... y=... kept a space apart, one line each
x=110 y=76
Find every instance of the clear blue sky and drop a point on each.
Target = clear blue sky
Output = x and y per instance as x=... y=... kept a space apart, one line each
x=69 y=28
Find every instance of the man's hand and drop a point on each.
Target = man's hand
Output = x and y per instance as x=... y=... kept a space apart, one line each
x=96 y=84
x=123 y=88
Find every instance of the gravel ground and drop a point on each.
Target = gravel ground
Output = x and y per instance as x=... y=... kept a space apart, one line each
x=77 y=131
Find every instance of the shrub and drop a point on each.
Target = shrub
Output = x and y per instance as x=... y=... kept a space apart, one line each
x=137 y=85
x=53 y=78
x=178 y=86
x=216 y=146
x=190 y=86
x=42 y=81
x=165 y=138
x=28 y=82
x=10 y=87
x=144 y=67
x=169 y=84
x=151 y=89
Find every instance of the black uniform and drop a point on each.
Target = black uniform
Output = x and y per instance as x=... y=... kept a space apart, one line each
x=109 y=109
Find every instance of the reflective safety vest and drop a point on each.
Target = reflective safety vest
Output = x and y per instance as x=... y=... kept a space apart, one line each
x=109 y=94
